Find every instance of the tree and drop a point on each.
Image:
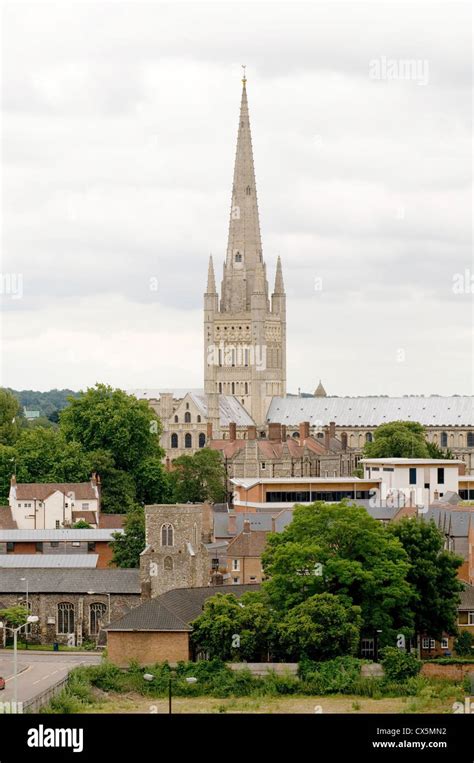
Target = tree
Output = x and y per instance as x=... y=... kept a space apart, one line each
x=127 y=546
x=200 y=477
x=7 y=468
x=14 y=616
x=320 y=628
x=81 y=524
x=340 y=549
x=152 y=482
x=464 y=644
x=9 y=413
x=44 y=455
x=108 y=419
x=398 y=439
x=432 y=576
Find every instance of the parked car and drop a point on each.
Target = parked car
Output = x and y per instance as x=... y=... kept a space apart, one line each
x=2 y=683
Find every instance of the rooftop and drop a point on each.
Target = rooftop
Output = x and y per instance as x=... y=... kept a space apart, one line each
x=70 y=581
x=69 y=535
x=408 y=461
x=45 y=561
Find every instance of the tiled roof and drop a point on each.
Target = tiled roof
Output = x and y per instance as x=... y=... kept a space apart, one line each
x=49 y=561
x=28 y=491
x=71 y=581
x=86 y=516
x=467 y=597
x=111 y=521
x=173 y=610
x=6 y=520
x=372 y=411
x=250 y=544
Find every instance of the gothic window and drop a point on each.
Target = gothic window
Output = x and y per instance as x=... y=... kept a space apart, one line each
x=188 y=441
x=65 y=617
x=246 y=357
x=187 y=418
x=175 y=419
x=220 y=388
x=233 y=388
x=198 y=419
x=247 y=190
x=238 y=257
x=167 y=535
x=202 y=440
x=174 y=440
x=368 y=437
x=97 y=612
x=470 y=439
x=444 y=439
x=168 y=563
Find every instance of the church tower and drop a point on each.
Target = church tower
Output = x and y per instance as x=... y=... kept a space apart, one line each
x=245 y=332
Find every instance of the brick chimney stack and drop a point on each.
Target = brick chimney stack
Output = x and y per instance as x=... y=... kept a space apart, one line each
x=13 y=481
x=283 y=432
x=251 y=432
x=209 y=430
x=232 y=431
x=231 y=523
x=332 y=429
x=274 y=432
x=304 y=430
x=246 y=528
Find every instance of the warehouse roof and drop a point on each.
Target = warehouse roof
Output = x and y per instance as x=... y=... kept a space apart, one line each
x=71 y=581
x=65 y=534
x=48 y=561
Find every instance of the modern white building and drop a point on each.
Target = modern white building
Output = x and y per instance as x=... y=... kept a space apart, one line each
x=47 y=506
x=420 y=480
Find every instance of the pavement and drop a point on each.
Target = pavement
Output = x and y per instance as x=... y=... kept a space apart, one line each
x=39 y=671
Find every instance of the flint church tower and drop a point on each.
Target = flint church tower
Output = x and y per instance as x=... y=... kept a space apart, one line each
x=244 y=330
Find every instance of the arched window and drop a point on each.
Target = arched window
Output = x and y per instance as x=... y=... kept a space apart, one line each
x=66 y=620
x=220 y=388
x=167 y=533
x=198 y=419
x=168 y=563
x=444 y=439
x=97 y=612
x=368 y=437
x=174 y=440
x=238 y=257
x=187 y=418
x=246 y=388
x=202 y=439
x=187 y=406
x=247 y=190
x=188 y=441
x=175 y=419
x=195 y=536
x=233 y=388
x=470 y=439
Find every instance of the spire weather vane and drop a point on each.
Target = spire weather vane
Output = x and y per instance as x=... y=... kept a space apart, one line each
x=244 y=79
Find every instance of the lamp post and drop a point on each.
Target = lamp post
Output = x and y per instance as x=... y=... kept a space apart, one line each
x=189 y=680
x=15 y=631
x=25 y=580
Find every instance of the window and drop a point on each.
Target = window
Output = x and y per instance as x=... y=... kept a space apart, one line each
x=368 y=437
x=97 y=612
x=167 y=535
x=91 y=546
x=195 y=535
x=238 y=257
x=246 y=388
x=247 y=190
x=76 y=543
x=202 y=440
x=367 y=647
x=264 y=466
x=187 y=418
x=426 y=643
x=470 y=618
x=174 y=440
x=235 y=565
x=65 y=617
x=10 y=547
x=220 y=388
x=39 y=548
x=444 y=643
x=233 y=388
x=57 y=524
x=412 y=478
x=470 y=439
x=175 y=419
x=235 y=581
x=198 y=419
x=444 y=439
x=168 y=563
x=54 y=544
x=187 y=406
x=188 y=441
x=84 y=506
x=440 y=476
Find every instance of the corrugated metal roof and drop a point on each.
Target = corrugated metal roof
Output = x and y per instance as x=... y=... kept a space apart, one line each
x=230 y=410
x=45 y=561
x=71 y=581
x=372 y=411
x=57 y=535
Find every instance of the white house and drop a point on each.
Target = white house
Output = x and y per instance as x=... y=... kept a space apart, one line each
x=421 y=480
x=48 y=506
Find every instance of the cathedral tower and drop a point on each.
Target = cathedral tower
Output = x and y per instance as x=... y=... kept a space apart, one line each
x=245 y=333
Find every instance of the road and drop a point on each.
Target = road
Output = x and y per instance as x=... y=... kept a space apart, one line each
x=39 y=671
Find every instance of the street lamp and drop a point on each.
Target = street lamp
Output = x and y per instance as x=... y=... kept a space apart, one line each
x=189 y=680
x=15 y=631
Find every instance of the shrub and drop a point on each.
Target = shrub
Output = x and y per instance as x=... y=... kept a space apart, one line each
x=464 y=644
x=337 y=675
x=399 y=665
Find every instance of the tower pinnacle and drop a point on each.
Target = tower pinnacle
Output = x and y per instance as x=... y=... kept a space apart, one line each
x=211 y=281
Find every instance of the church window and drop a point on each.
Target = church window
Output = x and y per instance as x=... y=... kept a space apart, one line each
x=175 y=419
x=202 y=439
x=187 y=406
x=97 y=612
x=247 y=190
x=233 y=388
x=188 y=441
x=246 y=356
x=246 y=387
x=65 y=617
x=198 y=419
x=220 y=388
x=238 y=257
x=174 y=440
x=167 y=534
x=168 y=563
x=368 y=437
x=187 y=418
x=444 y=439
x=220 y=357
x=470 y=439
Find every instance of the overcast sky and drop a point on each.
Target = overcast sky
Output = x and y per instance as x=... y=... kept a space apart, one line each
x=118 y=141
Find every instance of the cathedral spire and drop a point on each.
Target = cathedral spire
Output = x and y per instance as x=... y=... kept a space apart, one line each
x=244 y=246
x=211 y=281
x=279 y=285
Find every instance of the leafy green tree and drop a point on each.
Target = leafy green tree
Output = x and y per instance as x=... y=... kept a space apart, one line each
x=152 y=482
x=14 y=616
x=44 y=455
x=320 y=628
x=434 y=451
x=7 y=468
x=399 y=665
x=432 y=576
x=464 y=644
x=108 y=419
x=200 y=477
x=81 y=524
x=398 y=439
x=9 y=413
x=128 y=546
x=340 y=549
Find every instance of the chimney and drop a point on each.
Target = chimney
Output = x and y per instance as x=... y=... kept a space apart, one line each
x=274 y=524
x=462 y=469
x=327 y=444
x=246 y=528
x=232 y=431
x=13 y=481
x=332 y=429
x=283 y=432
x=251 y=432
x=209 y=430
x=344 y=440
x=304 y=430
x=274 y=432
x=94 y=479
x=231 y=523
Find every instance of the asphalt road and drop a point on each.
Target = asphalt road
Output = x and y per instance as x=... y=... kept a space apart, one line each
x=39 y=671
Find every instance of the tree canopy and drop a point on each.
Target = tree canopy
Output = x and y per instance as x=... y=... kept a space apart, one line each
x=402 y=439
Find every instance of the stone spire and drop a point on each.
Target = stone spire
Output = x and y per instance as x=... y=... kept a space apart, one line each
x=279 y=285
x=244 y=246
x=320 y=391
x=211 y=281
